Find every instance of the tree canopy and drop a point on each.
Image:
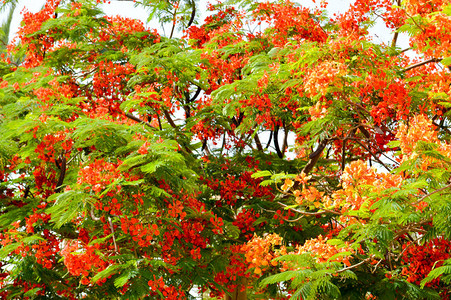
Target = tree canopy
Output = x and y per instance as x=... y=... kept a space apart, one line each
x=270 y=151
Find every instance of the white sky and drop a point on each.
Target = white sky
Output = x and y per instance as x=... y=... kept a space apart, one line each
x=127 y=9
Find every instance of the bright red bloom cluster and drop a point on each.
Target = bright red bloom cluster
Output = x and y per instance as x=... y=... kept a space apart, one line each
x=98 y=175
x=166 y=291
x=82 y=260
x=141 y=233
x=419 y=260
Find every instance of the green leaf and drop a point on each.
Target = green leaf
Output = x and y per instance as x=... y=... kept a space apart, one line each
x=6 y=250
x=446 y=61
x=261 y=174
x=32 y=292
x=436 y=273
x=284 y=276
x=340 y=254
x=110 y=270
x=68 y=205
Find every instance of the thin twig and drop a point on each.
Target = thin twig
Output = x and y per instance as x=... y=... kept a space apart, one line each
x=408 y=246
x=434 y=192
x=306 y=213
x=292 y=221
x=173 y=22
x=73 y=157
x=356 y=265
x=374 y=155
x=343 y=156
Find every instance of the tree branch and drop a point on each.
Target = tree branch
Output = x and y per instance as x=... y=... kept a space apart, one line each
x=285 y=138
x=432 y=60
x=343 y=155
x=134 y=118
x=314 y=156
x=395 y=38
x=257 y=141
x=205 y=147
x=168 y=117
x=196 y=94
x=173 y=22
x=373 y=155
x=112 y=231
x=276 y=141
x=62 y=168
x=269 y=140
x=307 y=213
x=193 y=14
x=356 y=265
x=432 y=193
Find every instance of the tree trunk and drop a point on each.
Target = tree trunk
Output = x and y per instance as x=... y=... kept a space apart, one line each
x=237 y=293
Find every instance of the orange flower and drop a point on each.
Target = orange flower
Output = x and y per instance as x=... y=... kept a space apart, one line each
x=287 y=185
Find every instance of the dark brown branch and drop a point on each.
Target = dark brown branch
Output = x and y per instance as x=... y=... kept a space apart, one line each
x=234 y=121
x=373 y=155
x=269 y=140
x=223 y=143
x=159 y=122
x=432 y=60
x=26 y=192
x=365 y=132
x=314 y=156
x=405 y=50
x=70 y=235
x=134 y=118
x=240 y=118
x=395 y=39
x=189 y=100
x=276 y=142
x=257 y=141
x=285 y=138
x=343 y=155
x=174 y=15
x=168 y=117
x=62 y=168
x=196 y=94
x=171 y=122
x=442 y=127
x=193 y=14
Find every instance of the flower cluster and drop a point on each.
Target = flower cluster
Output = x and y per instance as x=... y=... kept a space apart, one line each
x=260 y=252
x=81 y=261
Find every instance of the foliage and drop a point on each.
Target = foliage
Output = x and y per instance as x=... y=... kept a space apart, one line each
x=299 y=159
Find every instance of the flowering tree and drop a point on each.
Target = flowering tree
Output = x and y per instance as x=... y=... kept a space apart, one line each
x=141 y=166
